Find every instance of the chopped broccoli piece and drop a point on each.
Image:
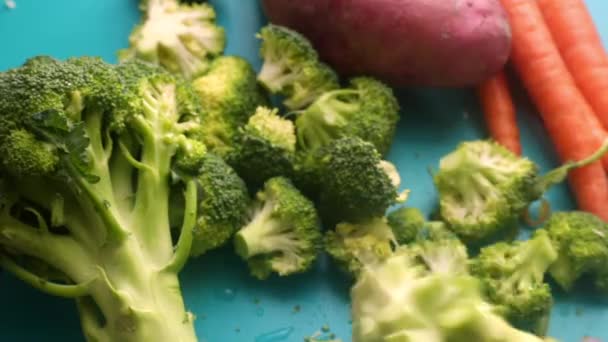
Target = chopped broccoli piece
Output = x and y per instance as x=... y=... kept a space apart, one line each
x=483 y=188
x=351 y=245
x=581 y=241
x=264 y=148
x=367 y=109
x=283 y=234
x=229 y=96
x=182 y=38
x=406 y=223
x=291 y=67
x=424 y=293
x=355 y=184
x=512 y=275
x=90 y=153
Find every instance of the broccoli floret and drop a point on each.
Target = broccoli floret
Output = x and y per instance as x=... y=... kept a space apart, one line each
x=581 y=241
x=424 y=293
x=351 y=245
x=409 y=225
x=355 y=183
x=90 y=153
x=291 y=67
x=223 y=205
x=229 y=95
x=264 y=147
x=283 y=234
x=182 y=38
x=512 y=276
x=483 y=189
x=366 y=109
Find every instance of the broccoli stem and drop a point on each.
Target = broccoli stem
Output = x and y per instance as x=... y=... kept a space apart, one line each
x=274 y=76
x=263 y=234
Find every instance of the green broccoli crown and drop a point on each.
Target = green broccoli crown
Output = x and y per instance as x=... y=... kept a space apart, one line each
x=264 y=148
x=291 y=67
x=423 y=293
x=283 y=235
x=581 y=241
x=406 y=223
x=223 y=207
x=229 y=95
x=482 y=189
x=512 y=275
x=354 y=183
x=367 y=109
x=182 y=38
x=353 y=245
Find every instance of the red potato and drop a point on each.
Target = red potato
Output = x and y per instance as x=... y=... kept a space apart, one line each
x=403 y=42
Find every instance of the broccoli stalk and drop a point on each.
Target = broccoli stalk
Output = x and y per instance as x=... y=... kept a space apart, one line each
x=283 y=235
x=94 y=203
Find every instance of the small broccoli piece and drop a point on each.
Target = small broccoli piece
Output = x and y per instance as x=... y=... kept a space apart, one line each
x=512 y=275
x=90 y=152
x=264 y=148
x=406 y=223
x=283 y=234
x=182 y=38
x=229 y=95
x=367 y=109
x=355 y=183
x=351 y=245
x=424 y=293
x=483 y=189
x=581 y=241
x=223 y=207
x=291 y=67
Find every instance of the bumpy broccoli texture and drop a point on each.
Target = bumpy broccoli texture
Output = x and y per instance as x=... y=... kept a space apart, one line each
x=91 y=152
x=283 y=235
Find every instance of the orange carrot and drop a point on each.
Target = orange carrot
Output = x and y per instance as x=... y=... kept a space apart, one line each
x=565 y=112
x=580 y=45
x=499 y=112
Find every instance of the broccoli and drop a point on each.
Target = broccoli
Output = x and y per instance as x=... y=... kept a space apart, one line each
x=183 y=38
x=367 y=109
x=223 y=205
x=483 y=188
x=512 y=276
x=581 y=241
x=89 y=154
x=264 y=147
x=351 y=245
x=424 y=293
x=355 y=183
x=291 y=67
x=409 y=225
x=229 y=95
x=283 y=234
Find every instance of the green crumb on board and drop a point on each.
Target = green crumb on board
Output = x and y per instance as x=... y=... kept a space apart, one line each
x=297 y=309
x=325 y=328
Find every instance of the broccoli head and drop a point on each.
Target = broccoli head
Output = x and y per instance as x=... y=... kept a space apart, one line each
x=264 y=148
x=90 y=153
x=283 y=234
x=409 y=225
x=355 y=183
x=352 y=245
x=291 y=67
x=183 y=38
x=424 y=293
x=581 y=241
x=483 y=189
x=512 y=276
x=229 y=95
x=366 y=109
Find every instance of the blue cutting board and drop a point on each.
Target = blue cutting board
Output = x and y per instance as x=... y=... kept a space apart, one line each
x=231 y=306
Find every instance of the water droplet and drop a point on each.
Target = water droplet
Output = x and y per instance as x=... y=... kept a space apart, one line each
x=275 y=336
x=259 y=312
x=227 y=295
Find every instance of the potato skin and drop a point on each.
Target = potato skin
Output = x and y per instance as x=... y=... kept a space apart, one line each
x=452 y=43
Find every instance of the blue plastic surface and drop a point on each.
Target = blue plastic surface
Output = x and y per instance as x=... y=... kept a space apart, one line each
x=230 y=305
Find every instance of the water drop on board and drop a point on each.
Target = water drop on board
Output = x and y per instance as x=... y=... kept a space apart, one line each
x=259 y=312
x=227 y=295
x=276 y=335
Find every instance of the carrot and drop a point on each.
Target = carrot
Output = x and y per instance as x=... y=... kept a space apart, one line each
x=565 y=112
x=580 y=45
x=499 y=112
